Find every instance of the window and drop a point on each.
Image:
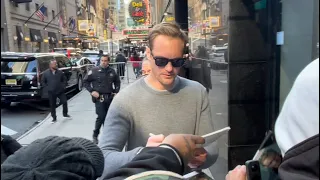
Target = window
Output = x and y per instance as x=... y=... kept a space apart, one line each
x=60 y=62
x=67 y=62
x=44 y=62
x=28 y=6
x=14 y=66
x=37 y=6
x=53 y=14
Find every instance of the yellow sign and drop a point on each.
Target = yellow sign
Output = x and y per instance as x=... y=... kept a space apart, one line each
x=27 y=39
x=91 y=29
x=46 y=40
x=83 y=25
x=214 y=21
x=105 y=34
x=169 y=19
x=60 y=42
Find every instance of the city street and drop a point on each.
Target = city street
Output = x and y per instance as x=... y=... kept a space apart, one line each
x=21 y=117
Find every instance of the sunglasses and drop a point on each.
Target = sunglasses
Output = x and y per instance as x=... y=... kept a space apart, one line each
x=162 y=61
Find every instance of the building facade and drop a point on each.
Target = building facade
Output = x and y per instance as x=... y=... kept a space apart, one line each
x=29 y=35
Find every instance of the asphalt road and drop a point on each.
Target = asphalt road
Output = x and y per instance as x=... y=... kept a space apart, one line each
x=21 y=117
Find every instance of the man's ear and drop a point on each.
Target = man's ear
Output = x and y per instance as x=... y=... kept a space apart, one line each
x=148 y=53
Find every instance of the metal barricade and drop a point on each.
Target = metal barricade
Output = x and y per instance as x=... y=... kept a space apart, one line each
x=129 y=71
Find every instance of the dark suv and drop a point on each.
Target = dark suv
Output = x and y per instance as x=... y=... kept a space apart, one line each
x=21 y=76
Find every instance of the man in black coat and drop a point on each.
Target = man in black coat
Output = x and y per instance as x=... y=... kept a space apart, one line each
x=121 y=67
x=54 y=81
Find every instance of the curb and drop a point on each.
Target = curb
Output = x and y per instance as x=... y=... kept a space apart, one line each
x=45 y=119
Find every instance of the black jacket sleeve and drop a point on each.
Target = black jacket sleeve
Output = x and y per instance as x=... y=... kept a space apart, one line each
x=87 y=81
x=149 y=159
x=44 y=81
x=117 y=83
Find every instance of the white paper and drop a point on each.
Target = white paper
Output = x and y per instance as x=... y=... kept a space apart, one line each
x=280 y=38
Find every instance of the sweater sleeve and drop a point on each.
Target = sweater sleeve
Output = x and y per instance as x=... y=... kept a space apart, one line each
x=115 y=134
x=206 y=126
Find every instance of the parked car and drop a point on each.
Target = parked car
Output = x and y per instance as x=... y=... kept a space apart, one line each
x=84 y=65
x=21 y=76
x=93 y=56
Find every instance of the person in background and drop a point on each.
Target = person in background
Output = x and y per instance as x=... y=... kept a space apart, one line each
x=297 y=131
x=103 y=83
x=54 y=82
x=99 y=57
x=146 y=68
x=178 y=105
x=135 y=63
x=121 y=66
x=8 y=146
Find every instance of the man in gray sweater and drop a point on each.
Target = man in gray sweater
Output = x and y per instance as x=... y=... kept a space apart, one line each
x=162 y=103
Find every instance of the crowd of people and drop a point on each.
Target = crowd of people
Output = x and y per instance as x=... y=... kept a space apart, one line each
x=157 y=135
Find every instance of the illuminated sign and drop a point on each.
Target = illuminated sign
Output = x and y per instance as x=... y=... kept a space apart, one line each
x=136 y=32
x=169 y=19
x=138 y=11
x=214 y=21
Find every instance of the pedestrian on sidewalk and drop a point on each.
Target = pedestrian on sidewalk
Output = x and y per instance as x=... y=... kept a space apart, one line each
x=54 y=81
x=99 y=82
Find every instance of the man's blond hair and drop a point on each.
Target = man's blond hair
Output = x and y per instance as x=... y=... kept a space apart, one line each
x=167 y=29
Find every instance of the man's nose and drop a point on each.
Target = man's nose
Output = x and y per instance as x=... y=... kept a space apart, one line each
x=169 y=67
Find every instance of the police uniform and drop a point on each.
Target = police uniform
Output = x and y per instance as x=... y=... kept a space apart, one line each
x=102 y=80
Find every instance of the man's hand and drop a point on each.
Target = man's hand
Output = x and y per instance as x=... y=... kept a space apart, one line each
x=95 y=94
x=271 y=159
x=199 y=158
x=155 y=140
x=184 y=143
x=238 y=173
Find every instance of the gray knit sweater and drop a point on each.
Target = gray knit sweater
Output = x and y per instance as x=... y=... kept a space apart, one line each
x=139 y=110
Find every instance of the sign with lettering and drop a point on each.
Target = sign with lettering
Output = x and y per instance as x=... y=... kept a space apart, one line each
x=138 y=11
x=135 y=32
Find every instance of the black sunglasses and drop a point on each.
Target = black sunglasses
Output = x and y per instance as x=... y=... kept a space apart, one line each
x=162 y=61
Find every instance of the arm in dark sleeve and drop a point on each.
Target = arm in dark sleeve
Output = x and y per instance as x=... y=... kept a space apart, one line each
x=87 y=81
x=44 y=81
x=149 y=159
x=117 y=83
x=10 y=145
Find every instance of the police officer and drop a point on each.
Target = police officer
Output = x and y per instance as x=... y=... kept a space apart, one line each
x=99 y=82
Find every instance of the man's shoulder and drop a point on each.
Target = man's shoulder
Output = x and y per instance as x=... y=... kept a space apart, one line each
x=133 y=88
x=190 y=83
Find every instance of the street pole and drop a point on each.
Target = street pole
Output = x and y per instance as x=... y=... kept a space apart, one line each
x=181 y=14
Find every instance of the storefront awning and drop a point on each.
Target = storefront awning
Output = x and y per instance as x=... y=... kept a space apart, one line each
x=20 y=34
x=35 y=35
x=52 y=37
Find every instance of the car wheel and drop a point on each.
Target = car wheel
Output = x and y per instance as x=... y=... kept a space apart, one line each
x=80 y=84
